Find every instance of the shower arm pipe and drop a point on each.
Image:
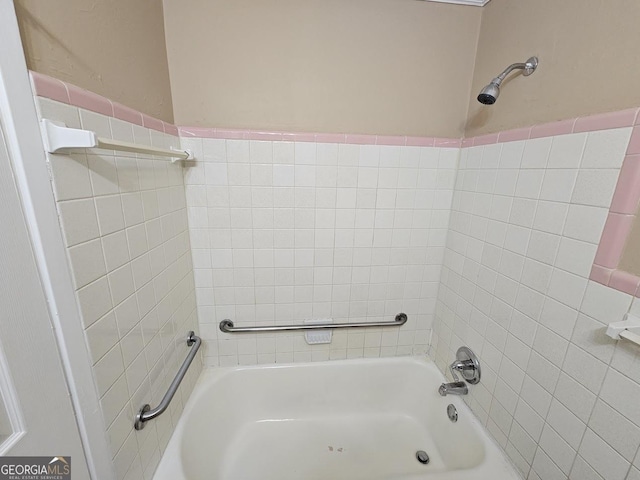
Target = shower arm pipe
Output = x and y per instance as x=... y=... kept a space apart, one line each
x=146 y=413
x=226 y=326
x=528 y=67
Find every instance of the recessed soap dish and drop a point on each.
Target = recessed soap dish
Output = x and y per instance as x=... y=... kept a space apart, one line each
x=316 y=337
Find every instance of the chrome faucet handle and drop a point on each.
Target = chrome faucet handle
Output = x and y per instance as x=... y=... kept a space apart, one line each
x=467 y=364
x=452 y=370
x=461 y=366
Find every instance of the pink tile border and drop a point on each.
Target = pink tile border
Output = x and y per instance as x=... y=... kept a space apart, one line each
x=625 y=282
x=196 y=132
x=447 y=142
x=58 y=90
x=127 y=114
x=153 y=123
x=360 y=139
x=354 y=139
x=605 y=121
x=552 y=129
x=600 y=274
x=622 y=213
x=270 y=136
x=420 y=141
x=49 y=87
x=612 y=242
x=627 y=194
x=170 y=129
x=231 y=134
x=330 y=137
x=591 y=123
x=485 y=139
x=89 y=100
x=514 y=135
x=634 y=142
x=391 y=140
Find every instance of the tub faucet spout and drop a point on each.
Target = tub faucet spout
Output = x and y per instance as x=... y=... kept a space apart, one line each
x=457 y=387
x=453 y=388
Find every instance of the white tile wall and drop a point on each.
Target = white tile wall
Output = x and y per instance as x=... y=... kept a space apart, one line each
x=283 y=232
x=556 y=393
x=124 y=220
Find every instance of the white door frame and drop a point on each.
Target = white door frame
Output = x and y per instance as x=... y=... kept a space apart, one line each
x=22 y=134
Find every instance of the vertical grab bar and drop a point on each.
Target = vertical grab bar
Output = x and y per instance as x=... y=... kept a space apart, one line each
x=146 y=413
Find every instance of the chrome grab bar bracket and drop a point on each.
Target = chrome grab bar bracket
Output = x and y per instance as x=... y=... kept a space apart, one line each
x=139 y=423
x=146 y=413
x=227 y=326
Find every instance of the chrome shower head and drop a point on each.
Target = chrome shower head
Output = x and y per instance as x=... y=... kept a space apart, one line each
x=489 y=94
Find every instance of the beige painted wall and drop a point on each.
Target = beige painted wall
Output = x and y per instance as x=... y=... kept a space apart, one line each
x=359 y=66
x=115 y=48
x=588 y=53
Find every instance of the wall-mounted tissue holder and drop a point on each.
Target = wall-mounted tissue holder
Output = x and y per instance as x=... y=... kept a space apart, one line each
x=629 y=329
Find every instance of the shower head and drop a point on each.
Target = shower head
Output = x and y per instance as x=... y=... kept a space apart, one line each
x=489 y=94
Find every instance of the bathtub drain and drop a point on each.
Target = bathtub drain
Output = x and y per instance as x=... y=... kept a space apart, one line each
x=422 y=456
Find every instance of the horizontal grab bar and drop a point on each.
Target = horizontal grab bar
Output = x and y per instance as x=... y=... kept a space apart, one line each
x=146 y=413
x=227 y=326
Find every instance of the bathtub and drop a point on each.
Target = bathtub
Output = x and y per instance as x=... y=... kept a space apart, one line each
x=352 y=419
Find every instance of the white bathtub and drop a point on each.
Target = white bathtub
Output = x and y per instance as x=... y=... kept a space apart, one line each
x=353 y=419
